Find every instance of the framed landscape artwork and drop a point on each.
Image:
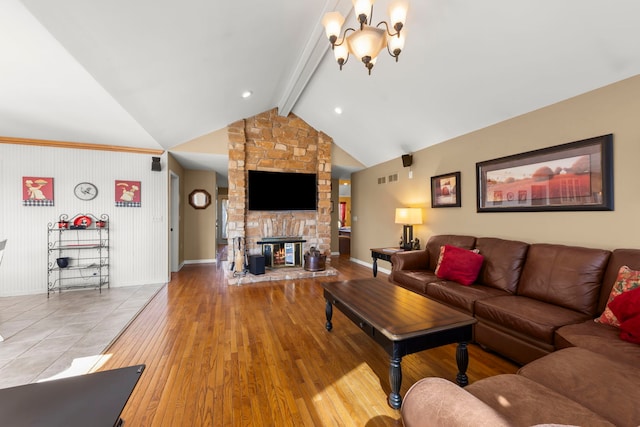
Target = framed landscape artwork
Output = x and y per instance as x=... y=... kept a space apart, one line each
x=445 y=190
x=577 y=176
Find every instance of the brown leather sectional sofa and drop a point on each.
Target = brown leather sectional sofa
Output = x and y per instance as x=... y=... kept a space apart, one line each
x=535 y=304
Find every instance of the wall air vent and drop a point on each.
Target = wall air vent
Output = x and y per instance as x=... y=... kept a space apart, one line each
x=382 y=180
x=393 y=178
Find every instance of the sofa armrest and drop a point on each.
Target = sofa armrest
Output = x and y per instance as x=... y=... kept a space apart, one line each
x=410 y=260
x=437 y=402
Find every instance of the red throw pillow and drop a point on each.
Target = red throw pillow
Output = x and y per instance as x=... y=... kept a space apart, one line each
x=630 y=330
x=626 y=305
x=459 y=265
x=626 y=308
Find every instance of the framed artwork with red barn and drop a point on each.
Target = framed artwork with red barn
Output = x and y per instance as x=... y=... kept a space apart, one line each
x=577 y=176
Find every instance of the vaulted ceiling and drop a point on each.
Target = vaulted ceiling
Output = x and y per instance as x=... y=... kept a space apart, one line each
x=159 y=73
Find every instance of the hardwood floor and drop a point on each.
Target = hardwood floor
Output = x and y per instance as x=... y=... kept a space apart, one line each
x=259 y=355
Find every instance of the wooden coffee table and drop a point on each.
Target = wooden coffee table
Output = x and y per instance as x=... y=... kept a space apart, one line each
x=402 y=322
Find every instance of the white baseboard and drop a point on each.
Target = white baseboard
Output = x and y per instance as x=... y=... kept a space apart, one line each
x=199 y=261
x=370 y=265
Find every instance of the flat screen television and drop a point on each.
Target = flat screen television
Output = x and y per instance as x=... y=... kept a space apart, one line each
x=282 y=191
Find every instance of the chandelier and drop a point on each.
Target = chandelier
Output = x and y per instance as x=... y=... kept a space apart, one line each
x=366 y=42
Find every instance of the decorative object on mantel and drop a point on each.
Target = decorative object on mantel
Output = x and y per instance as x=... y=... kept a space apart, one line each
x=445 y=190
x=366 y=42
x=314 y=260
x=128 y=194
x=408 y=217
x=577 y=176
x=37 y=191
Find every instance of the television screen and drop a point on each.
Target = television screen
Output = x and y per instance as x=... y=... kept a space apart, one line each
x=282 y=191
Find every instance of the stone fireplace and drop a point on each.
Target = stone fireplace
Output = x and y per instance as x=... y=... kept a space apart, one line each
x=270 y=142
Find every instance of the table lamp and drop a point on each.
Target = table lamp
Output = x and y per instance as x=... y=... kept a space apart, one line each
x=408 y=217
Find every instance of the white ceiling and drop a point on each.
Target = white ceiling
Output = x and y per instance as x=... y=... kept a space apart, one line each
x=158 y=73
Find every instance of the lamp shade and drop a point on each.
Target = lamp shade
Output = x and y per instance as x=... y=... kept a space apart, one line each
x=398 y=12
x=362 y=7
x=396 y=43
x=367 y=43
x=332 y=23
x=408 y=216
x=341 y=52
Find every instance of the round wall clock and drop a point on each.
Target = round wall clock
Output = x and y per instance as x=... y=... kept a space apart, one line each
x=85 y=191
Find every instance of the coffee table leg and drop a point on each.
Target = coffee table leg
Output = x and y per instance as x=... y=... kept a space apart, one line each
x=395 y=378
x=462 y=358
x=328 y=310
x=375 y=267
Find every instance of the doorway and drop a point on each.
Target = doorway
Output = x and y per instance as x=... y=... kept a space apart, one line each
x=174 y=225
x=222 y=216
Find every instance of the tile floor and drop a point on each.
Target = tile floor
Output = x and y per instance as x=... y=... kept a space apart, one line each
x=65 y=334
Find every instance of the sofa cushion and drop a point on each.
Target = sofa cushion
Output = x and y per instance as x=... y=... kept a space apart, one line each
x=435 y=242
x=619 y=257
x=527 y=316
x=606 y=387
x=566 y=276
x=436 y=402
x=599 y=338
x=503 y=262
x=459 y=265
x=463 y=297
x=627 y=280
x=525 y=403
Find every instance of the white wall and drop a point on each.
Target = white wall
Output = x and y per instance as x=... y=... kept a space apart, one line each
x=138 y=236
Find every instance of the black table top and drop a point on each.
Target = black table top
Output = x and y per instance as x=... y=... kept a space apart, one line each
x=94 y=400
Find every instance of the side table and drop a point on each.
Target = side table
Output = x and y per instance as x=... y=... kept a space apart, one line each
x=383 y=254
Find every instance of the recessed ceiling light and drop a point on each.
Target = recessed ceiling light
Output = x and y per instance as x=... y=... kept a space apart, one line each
x=246 y=94
x=338 y=110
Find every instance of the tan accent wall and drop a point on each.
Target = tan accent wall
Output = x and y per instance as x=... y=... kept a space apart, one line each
x=274 y=143
x=612 y=109
x=199 y=224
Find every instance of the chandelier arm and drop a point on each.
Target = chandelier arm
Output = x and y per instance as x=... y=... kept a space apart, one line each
x=345 y=61
x=344 y=37
x=386 y=26
x=393 y=55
